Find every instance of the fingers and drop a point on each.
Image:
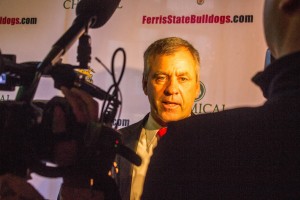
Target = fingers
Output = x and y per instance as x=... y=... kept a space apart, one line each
x=64 y=152
x=15 y=187
x=91 y=104
x=85 y=108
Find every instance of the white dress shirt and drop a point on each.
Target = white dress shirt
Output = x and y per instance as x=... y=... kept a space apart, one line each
x=146 y=144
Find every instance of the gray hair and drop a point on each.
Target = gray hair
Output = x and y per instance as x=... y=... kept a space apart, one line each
x=168 y=46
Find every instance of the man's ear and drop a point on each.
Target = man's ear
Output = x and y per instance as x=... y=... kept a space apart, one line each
x=289 y=6
x=144 y=83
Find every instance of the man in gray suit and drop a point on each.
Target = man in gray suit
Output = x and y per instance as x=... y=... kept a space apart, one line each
x=171 y=82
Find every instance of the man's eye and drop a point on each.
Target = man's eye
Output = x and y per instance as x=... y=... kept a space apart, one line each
x=160 y=78
x=183 y=79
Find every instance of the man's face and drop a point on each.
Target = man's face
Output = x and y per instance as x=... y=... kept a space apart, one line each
x=172 y=86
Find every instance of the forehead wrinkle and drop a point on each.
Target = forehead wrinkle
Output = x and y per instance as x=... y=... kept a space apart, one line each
x=184 y=73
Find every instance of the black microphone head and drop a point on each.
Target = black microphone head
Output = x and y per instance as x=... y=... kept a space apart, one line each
x=99 y=10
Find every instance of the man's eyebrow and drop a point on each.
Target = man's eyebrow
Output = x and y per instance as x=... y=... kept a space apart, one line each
x=159 y=73
x=183 y=74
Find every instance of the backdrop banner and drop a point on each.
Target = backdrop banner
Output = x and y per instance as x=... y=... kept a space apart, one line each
x=228 y=35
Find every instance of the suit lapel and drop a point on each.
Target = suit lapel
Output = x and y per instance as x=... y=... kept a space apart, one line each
x=130 y=138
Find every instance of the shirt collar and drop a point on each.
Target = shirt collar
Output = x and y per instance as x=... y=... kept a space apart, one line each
x=151 y=124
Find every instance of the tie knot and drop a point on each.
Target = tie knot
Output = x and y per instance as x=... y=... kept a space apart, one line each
x=162 y=131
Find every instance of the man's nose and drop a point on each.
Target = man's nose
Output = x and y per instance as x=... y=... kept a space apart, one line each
x=171 y=87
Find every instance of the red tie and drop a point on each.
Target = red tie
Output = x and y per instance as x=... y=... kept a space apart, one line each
x=162 y=131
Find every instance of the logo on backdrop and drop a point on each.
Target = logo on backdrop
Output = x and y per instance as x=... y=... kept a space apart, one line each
x=4 y=97
x=121 y=122
x=18 y=20
x=71 y=4
x=200 y=2
x=200 y=107
x=202 y=92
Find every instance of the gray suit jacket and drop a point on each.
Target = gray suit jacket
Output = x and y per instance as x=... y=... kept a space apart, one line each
x=130 y=137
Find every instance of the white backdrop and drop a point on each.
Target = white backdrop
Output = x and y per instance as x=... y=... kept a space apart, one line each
x=231 y=53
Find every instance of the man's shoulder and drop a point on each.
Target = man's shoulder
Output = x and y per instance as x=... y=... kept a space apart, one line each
x=133 y=128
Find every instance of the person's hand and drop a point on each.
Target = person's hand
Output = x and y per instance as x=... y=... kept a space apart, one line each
x=85 y=109
x=84 y=106
x=15 y=187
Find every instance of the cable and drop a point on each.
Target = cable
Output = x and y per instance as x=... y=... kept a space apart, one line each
x=110 y=106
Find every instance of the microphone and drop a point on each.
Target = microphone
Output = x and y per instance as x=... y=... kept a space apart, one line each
x=129 y=155
x=100 y=10
x=90 y=14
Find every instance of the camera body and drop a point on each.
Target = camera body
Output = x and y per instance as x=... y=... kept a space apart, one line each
x=13 y=74
x=26 y=138
x=18 y=121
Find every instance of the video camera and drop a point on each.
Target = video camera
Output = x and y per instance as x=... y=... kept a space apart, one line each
x=26 y=138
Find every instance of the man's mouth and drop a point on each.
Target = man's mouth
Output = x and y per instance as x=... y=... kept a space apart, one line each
x=170 y=104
